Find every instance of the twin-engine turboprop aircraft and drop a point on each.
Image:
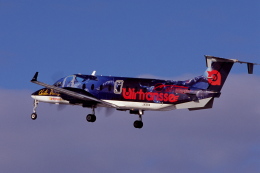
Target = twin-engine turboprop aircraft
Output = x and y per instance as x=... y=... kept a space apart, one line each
x=137 y=95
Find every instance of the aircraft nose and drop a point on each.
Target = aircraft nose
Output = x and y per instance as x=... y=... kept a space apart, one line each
x=35 y=93
x=43 y=91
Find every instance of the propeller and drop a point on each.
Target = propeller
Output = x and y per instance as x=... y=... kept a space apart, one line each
x=109 y=111
x=60 y=107
x=56 y=76
x=106 y=110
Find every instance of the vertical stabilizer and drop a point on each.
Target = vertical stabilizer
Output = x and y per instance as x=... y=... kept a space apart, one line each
x=217 y=71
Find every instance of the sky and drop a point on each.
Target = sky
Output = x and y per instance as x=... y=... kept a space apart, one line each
x=162 y=39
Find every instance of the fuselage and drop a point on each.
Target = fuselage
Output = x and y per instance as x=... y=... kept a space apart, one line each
x=129 y=93
x=138 y=94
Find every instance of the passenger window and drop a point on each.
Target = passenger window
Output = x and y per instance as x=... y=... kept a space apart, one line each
x=84 y=86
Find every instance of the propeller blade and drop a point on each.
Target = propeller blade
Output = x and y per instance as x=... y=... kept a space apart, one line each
x=109 y=111
x=61 y=107
x=105 y=110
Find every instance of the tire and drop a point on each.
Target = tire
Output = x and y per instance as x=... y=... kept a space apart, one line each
x=33 y=116
x=91 y=118
x=138 y=124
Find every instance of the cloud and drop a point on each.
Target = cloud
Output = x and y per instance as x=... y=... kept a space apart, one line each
x=223 y=139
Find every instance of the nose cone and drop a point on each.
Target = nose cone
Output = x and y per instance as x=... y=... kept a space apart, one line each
x=42 y=92
x=35 y=93
x=45 y=92
x=48 y=96
x=39 y=92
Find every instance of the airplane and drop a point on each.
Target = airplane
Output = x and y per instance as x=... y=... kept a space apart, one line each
x=137 y=95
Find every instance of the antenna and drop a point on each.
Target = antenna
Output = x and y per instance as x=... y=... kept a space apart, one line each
x=93 y=73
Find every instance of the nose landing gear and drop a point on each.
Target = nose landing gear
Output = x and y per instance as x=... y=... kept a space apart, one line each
x=34 y=115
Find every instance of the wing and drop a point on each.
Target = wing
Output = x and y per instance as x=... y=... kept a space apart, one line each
x=72 y=93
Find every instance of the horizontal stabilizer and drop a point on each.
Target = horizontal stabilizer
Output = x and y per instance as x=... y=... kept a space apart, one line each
x=210 y=59
x=207 y=106
x=193 y=104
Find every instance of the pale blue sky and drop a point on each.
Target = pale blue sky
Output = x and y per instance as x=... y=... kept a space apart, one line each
x=165 y=38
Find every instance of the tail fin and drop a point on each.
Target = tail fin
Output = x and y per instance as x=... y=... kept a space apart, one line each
x=212 y=81
x=218 y=70
x=216 y=73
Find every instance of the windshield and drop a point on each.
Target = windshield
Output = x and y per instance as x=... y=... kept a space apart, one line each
x=59 y=82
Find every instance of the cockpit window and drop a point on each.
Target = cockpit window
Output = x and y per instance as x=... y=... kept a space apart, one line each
x=80 y=79
x=69 y=82
x=74 y=81
x=59 y=83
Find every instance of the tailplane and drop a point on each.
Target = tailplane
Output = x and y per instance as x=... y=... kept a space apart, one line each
x=212 y=81
x=216 y=73
x=218 y=70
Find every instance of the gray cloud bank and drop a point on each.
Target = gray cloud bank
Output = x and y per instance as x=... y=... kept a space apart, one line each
x=223 y=139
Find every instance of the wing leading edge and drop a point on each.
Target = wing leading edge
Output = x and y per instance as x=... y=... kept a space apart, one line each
x=72 y=93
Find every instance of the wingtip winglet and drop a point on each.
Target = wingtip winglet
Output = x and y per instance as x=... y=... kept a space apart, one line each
x=250 y=68
x=35 y=77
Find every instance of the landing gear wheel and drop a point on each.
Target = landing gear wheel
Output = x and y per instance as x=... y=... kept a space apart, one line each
x=91 y=118
x=138 y=124
x=33 y=116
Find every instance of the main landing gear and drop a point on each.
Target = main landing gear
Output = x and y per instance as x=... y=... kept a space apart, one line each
x=91 y=117
x=34 y=115
x=138 y=123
